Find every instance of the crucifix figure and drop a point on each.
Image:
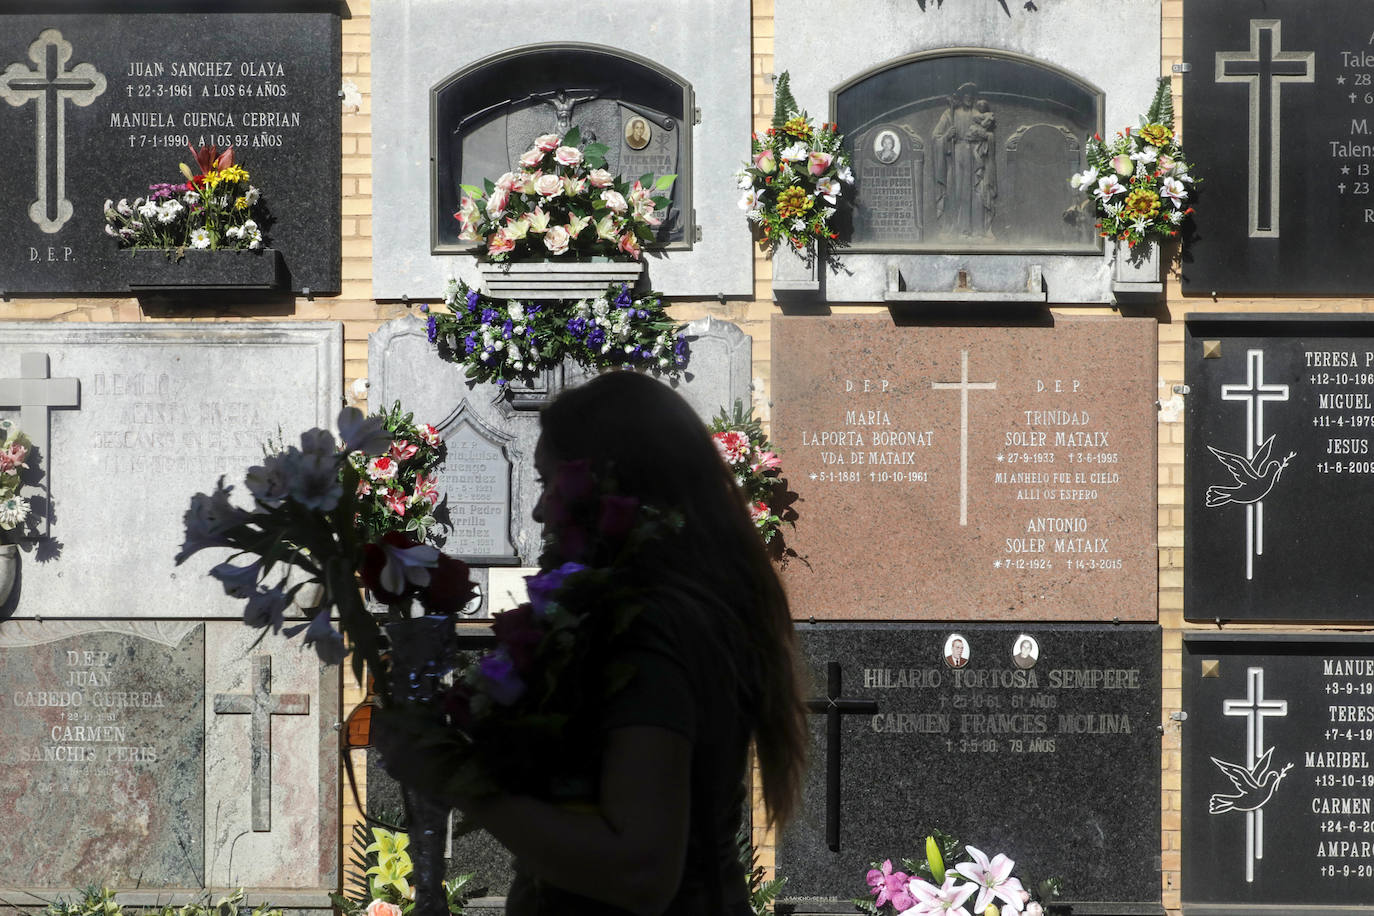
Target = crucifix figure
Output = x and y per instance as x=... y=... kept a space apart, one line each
x=1264 y=67
x=1254 y=392
x=50 y=85
x=262 y=705
x=1254 y=708
x=35 y=395
x=963 y=386
x=834 y=706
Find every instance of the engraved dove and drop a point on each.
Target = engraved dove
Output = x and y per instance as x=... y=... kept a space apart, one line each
x=1254 y=477
x=1256 y=785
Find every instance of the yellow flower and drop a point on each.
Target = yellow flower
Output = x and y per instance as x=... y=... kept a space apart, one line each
x=1156 y=134
x=794 y=202
x=1141 y=203
x=241 y=204
x=233 y=173
x=797 y=127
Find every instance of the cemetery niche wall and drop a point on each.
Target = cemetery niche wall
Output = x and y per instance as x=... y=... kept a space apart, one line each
x=965 y=126
x=155 y=743
x=1279 y=98
x=99 y=106
x=491 y=112
x=663 y=100
x=1279 y=424
x=968 y=151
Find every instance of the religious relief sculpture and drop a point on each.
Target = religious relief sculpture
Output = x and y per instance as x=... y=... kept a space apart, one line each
x=965 y=165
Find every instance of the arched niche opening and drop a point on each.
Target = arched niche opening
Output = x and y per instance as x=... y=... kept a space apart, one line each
x=485 y=115
x=968 y=150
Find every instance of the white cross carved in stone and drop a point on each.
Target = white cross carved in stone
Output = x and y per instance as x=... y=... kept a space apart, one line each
x=963 y=386
x=1254 y=708
x=49 y=85
x=262 y=705
x=1254 y=392
x=35 y=395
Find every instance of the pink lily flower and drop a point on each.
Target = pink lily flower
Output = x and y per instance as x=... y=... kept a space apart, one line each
x=993 y=879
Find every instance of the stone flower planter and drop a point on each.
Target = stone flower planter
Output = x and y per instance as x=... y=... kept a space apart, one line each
x=9 y=569
x=1137 y=270
x=557 y=279
x=152 y=271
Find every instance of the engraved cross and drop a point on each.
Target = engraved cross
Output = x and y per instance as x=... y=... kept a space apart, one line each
x=1254 y=708
x=1265 y=68
x=35 y=395
x=963 y=386
x=262 y=705
x=49 y=85
x=1254 y=392
x=834 y=706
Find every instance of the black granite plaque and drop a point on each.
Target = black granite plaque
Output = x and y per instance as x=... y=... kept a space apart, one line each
x=1278 y=121
x=1279 y=462
x=1052 y=757
x=1278 y=774
x=100 y=106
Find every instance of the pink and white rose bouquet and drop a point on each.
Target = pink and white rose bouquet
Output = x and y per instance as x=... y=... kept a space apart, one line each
x=397 y=490
x=749 y=455
x=562 y=202
x=14 y=453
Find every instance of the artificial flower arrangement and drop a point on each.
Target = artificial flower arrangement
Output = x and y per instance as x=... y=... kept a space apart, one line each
x=398 y=490
x=14 y=451
x=928 y=888
x=1139 y=184
x=747 y=452
x=795 y=178
x=304 y=525
x=385 y=888
x=100 y=901
x=561 y=202
x=214 y=208
x=499 y=339
x=520 y=712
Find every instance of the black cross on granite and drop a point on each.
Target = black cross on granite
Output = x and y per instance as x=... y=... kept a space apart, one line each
x=262 y=705
x=834 y=706
x=36 y=395
x=1265 y=67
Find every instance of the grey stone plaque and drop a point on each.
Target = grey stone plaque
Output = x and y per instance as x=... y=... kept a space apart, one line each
x=104 y=736
x=162 y=410
x=975 y=120
x=1033 y=254
x=990 y=740
x=475 y=486
x=414 y=247
x=488 y=114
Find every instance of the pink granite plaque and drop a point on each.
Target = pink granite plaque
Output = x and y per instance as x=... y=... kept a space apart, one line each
x=968 y=473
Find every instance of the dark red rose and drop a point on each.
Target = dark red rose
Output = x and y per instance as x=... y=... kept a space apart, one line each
x=450 y=586
x=617 y=515
x=458 y=705
x=519 y=633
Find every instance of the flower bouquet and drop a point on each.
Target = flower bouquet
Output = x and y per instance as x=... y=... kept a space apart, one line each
x=397 y=490
x=561 y=202
x=384 y=888
x=14 y=451
x=927 y=888
x=499 y=339
x=307 y=518
x=747 y=452
x=1138 y=185
x=215 y=208
x=795 y=178
x=518 y=713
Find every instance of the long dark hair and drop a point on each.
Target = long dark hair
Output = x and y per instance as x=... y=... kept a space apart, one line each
x=660 y=452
